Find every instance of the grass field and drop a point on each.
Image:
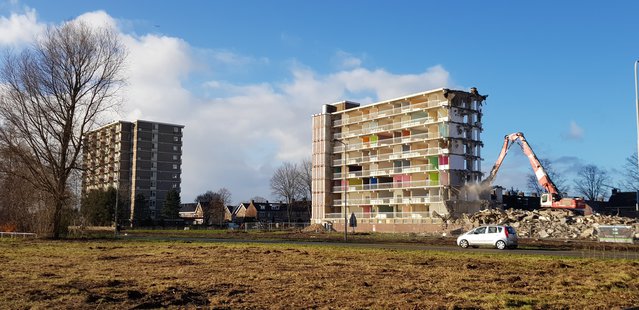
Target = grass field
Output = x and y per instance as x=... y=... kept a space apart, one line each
x=142 y=275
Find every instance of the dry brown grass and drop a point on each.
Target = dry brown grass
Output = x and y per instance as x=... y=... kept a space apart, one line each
x=120 y=274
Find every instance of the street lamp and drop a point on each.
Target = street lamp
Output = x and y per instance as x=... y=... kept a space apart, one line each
x=117 y=197
x=345 y=187
x=637 y=105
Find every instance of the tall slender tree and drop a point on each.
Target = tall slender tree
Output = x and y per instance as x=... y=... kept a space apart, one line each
x=171 y=207
x=306 y=177
x=52 y=93
x=306 y=180
x=630 y=180
x=286 y=184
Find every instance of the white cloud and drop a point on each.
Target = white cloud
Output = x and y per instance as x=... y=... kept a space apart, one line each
x=237 y=136
x=20 y=28
x=98 y=19
x=346 y=60
x=254 y=127
x=575 y=132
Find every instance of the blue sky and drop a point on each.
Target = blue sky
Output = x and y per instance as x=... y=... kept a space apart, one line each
x=245 y=76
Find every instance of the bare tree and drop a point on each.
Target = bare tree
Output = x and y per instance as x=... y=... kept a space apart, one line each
x=558 y=179
x=19 y=199
x=213 y=204
x=285 y=183
x=52 y=93
x=630 y=179
x=306 y=177
x=591 y=182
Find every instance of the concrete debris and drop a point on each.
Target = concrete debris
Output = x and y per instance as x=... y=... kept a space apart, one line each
x=554 y=224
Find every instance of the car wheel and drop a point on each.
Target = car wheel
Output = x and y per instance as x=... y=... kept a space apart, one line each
x=463 y=244
x=500 y=244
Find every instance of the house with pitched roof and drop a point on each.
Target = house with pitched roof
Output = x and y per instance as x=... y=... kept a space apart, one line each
x=192 y=213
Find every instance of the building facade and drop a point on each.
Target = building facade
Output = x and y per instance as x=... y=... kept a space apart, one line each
x=142 y=159
x=409 y=160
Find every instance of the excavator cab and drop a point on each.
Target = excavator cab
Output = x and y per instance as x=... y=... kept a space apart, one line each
x=546 y=200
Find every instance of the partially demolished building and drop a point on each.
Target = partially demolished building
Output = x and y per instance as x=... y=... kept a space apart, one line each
x=399 y=164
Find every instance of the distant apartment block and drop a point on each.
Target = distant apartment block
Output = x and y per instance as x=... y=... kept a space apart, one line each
x=142 y=159
x=396 y=164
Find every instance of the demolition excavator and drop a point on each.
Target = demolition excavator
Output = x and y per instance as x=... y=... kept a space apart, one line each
x=551 y=198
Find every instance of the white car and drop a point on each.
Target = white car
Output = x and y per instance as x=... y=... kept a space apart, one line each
x=499 y=236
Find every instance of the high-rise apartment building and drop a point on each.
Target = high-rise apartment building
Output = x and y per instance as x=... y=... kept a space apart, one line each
x=142 y=159
x=397 y=164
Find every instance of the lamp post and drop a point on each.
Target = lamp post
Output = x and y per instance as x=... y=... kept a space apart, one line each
x=117 y=194
x=637 y=107
x=344 y=187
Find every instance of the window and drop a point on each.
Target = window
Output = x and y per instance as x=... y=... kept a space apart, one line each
x=175 y=157
x=480 y=230
x=174 y=185
x=155 y=126
x=492 y=230
x=152 y=193
x=174 y=166
x=176 y=129
x=175 y=148
x=176 y=139
x=175 y=176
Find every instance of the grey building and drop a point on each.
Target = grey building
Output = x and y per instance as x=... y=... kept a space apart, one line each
x=143 y=160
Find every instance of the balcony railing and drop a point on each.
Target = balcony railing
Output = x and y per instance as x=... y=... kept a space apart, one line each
x=387 y=127
x=387 y=201
x=386 y=142
x=389 y=112
x=390 y=156
x=381 y=215
x=386 y=171
x=383 y=186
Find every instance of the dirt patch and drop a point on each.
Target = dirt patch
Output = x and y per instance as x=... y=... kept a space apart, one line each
x=174 y=296
x=39 y=295
x=271 y=276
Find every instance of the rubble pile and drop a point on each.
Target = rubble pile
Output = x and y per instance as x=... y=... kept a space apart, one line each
x=314 y=228
x=556 y=224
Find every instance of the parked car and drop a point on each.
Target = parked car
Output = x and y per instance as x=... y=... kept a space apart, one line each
x=499 y=236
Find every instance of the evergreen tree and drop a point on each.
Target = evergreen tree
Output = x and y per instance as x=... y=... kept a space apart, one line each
x=98 y=207
x=171 y=208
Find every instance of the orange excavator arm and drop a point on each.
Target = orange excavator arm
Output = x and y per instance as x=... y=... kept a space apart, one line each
x=542 y=177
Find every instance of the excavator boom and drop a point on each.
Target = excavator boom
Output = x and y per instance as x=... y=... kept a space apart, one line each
x=540 y=173
x=550 y=199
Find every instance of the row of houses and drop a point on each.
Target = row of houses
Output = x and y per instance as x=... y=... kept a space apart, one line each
x=202 y=213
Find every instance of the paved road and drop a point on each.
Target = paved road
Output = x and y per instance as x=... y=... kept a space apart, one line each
x=597 y=254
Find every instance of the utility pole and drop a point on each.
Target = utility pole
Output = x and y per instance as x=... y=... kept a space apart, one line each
x=637 y=107
x=117 y=198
